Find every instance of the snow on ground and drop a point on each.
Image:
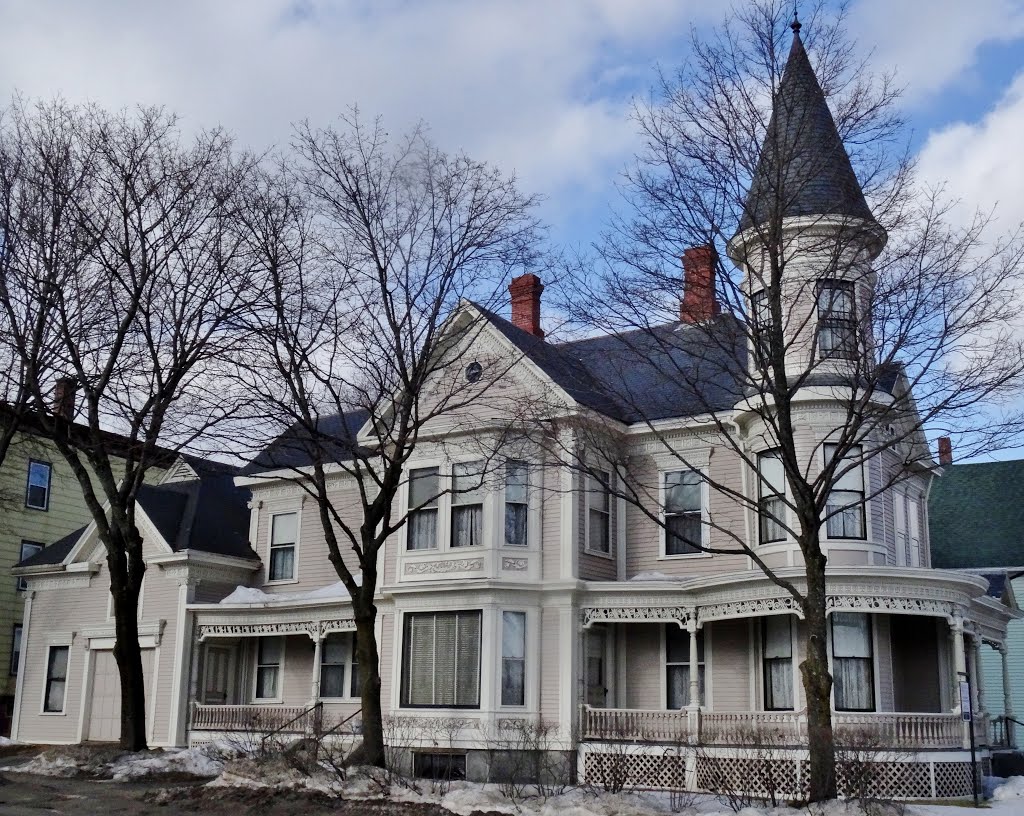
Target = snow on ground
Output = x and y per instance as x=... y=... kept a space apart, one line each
x=4 y=742
x=119 y=766
x=1012 y=788
x=251 y=596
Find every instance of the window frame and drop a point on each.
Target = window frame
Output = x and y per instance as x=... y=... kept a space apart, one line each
x=763 y=496
x=869 y=660
x=767 y=661
x=861 y=505
x=349 y=667
x=406 y=653
x=525 y=504
x=433 y=506
x=457 y=500
x=828 y=319
x=702 y=664
x=294 y=546
x=590 y=493
x=47 y=680
x=701 y=512
x=520 y=660
x=279 y=680
x=21 y=582
x=762 y=344
x=45 y=506
x=17 y=632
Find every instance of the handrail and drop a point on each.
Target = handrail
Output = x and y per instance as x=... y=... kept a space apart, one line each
x=317 y=706
x=350 y=717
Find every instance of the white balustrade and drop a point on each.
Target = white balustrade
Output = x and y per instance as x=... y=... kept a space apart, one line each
x=256 y=718
x=635 y=724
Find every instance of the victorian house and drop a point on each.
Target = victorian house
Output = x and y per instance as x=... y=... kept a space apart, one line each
x=543 y=596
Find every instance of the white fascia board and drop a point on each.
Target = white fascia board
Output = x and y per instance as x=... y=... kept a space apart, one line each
x=679 y=424
x=204 y=557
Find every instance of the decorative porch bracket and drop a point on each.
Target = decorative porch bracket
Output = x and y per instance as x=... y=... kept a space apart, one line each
x=680 y=615
x=315 y=630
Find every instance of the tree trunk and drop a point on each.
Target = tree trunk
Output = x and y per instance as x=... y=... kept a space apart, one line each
x=818 y=685
x=129 y=666
x=371 y=752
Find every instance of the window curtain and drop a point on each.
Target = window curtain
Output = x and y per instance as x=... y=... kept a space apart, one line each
x=852 y=662
x=467 y=525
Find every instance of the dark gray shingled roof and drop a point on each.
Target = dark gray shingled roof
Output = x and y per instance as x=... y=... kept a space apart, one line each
x=803 y=169
x=295 y=446
x=208 y=514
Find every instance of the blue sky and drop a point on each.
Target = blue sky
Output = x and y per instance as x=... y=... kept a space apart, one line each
x=541 y=87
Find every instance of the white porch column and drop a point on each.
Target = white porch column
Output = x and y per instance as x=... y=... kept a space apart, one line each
x=1007 y=697
x=956 y=634
x=694 y=707
x=979 y=675
x=314 y=686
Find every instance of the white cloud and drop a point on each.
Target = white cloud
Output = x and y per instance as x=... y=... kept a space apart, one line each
x=982 y=163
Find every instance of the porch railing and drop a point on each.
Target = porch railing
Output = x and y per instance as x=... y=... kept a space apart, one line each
x=886 y=730
x=255 y=718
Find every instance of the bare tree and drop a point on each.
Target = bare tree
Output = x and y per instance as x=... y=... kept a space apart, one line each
x=123 y=276
x=374 y=248
x=854 y=296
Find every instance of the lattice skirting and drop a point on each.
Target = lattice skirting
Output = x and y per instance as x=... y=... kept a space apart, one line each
x=781 y=772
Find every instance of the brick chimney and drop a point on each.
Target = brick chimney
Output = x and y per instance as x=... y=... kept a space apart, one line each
x=64 y=392
x=525 y=291
x=945 y=451
x=699 y=301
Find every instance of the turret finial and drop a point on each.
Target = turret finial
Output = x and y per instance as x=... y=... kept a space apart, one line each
x=795 y=25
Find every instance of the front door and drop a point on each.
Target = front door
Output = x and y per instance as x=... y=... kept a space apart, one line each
x=216 y=682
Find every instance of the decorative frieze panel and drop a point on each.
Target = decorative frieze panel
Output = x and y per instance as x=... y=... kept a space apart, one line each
x=752 y=607
x=74 y=581
x=515 y=564
x=898 y=605
x=443 y=567
x=313 y=629
x=636 y=614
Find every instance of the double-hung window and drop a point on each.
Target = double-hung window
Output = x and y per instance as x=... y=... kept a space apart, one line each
x=337 y=658
x=771 y=497
x=907 y=522
x=778 y=663
x=599 y=512
x=56 y=679
x=677 y=666
x=837 y=325
x=441 y=660
x=517 y=485
x=28 y=549
x=268 y=668
x=284 y=528
x=423 y=490
x=683 y=531
x=15 y=649
x=513 y=658
x=844 y=509
x=467 y=504
x=760 y=327
x=37 y=488
x=853 y=662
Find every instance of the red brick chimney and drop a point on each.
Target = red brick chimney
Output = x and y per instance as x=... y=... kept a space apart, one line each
x=945 y=451
x=525 y=291
x=699 y=302
x=64 y=392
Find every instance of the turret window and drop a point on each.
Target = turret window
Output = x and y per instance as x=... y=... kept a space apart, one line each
x=844 y=510
x=837 y=333
x=771 y=497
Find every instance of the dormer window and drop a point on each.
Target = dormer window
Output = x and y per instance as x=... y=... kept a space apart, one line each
x=837 y=324
x=283 y=535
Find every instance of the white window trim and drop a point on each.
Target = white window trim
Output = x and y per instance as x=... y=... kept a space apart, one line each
x=705 y=505
x=58 y=644
x=529 y=648
x=447 y=497
x=864 y=505
x=349 y=662
x=875 y=679
x=709 y=698
x=759 y=484
x=280 y=673
x=295 y=548
x=588 y=493
x=793 y=659
x=485 y=654
x=530 y=507
x=443 y=516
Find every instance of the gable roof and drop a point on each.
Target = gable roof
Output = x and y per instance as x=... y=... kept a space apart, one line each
x=207 y=513
x=976 y=515
x=803 y=168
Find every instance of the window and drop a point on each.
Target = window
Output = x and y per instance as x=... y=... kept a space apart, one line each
x=15 y=649
x=467 y=504
x=56 y=679
x=844 y=510
x=778 y=663
x=446 y=766
x=772 y=497
x=517 y=485
x=907 y=522
x=37 y=491
x=28 y=549
x=441 y=660
x=837 y=331
x=596 y=649
x=283 y=533
x=677 y=666
x=335 y=653
x=513 y=658
x=853 y=662
x=599 y=512
x=268 y=668
x=423 y=490
x=683 y=533
x=761 y=323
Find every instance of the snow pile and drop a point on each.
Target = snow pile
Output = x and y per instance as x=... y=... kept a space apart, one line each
x=5 y=743
x=47 y=764
x=1012 y=788
x=252 y=596
x=654 y=576
x=111 y=764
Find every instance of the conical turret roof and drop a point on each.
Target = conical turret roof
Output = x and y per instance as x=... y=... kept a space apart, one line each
x=803 y=170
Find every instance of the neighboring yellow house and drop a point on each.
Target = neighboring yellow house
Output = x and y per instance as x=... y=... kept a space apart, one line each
x=40 y=502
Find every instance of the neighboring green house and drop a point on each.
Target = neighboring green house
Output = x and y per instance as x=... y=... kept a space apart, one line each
x=40 y=502
x=976 y=514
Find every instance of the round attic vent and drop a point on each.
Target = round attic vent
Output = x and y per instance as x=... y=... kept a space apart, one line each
x=473 y=371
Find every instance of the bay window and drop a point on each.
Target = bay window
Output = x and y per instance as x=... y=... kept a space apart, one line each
x=853 y=662
x=268 y=668
x=683 y=533
x=422 y=521
x=516 y=505
x=441 y=660
x=778 y=663
x=677 y=666
x=513 y=658
x=844 y=509
x=467 y=504
x=771 y=497
x=599 y=512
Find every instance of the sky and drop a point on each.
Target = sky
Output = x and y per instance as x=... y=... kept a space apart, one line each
x=541 y=88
